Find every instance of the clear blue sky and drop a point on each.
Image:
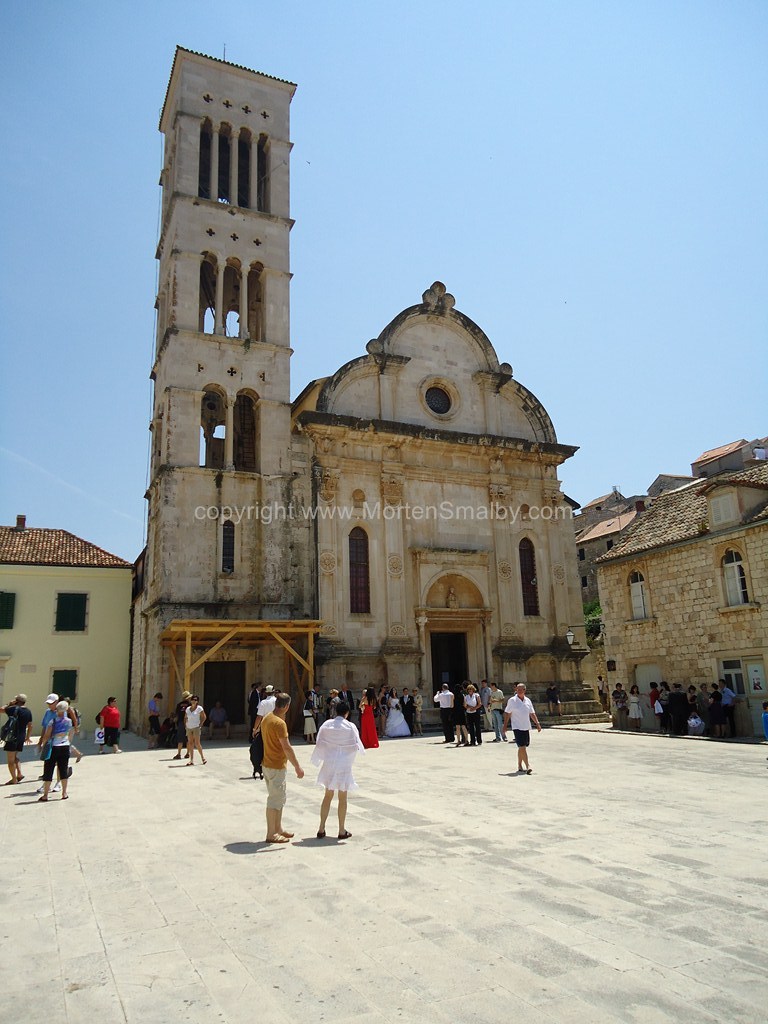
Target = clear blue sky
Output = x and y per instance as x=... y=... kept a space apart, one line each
x=587 y=178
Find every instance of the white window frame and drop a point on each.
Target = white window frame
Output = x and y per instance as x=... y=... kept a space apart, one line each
x=638 y=597
x=734 y=579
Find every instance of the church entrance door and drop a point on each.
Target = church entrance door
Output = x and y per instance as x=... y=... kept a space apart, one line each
x=225 y=681
x=449 y=659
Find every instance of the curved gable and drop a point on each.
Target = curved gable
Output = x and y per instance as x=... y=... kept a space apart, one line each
x=434 y=367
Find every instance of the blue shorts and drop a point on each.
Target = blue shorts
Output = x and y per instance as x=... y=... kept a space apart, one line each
x=522 y=737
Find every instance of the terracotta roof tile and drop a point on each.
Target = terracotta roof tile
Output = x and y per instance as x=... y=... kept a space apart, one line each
x=608 y=526
x=678 y=515
x=716 y=453
x=601 y=500
x=32 y=546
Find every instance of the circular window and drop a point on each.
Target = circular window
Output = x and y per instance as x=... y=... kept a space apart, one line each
x=438 y=400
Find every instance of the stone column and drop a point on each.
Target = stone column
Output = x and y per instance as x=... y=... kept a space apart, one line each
x=244 y=301
x=219 y=319
x=233 y=148
x=229 y=435
x=486 y=624
x=253 y=185
x=215 y=164
x=421 y=622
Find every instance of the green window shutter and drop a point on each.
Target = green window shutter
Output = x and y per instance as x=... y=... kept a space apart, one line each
x=65 y=683
x=70 y=613
x=7 y=608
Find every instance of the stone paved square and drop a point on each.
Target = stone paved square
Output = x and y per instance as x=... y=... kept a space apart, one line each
x=623 y=881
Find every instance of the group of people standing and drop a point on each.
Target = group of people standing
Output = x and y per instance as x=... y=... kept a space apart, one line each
x=463 y=708
x=705 y=710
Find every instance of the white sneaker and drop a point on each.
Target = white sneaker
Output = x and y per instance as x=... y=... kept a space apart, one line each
x=56 y=787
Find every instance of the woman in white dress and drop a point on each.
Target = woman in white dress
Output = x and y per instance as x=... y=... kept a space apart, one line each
x=635 y=710
x=336 y=747
x=396 y=724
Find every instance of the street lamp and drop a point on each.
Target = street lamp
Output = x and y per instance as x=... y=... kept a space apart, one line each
x=570 y=636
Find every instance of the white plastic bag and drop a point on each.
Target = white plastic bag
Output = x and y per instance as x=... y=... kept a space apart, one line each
x=98 y=736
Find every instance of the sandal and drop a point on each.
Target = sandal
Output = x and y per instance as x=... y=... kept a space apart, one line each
x=65 y=798
x=204 y=761
x=345 y=835
x=42 y=799
x=321 y=834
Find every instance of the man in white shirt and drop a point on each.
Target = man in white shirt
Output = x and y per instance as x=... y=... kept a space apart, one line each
x=519 y=711
x=444 y=697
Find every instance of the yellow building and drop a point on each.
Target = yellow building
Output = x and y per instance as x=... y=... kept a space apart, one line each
x=64 y=620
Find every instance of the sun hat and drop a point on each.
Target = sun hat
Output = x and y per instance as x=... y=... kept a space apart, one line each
x=52 y=698
x=269 y=689
x=186 y=695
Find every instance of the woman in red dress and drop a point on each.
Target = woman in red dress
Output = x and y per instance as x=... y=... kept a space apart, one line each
x=368 y=707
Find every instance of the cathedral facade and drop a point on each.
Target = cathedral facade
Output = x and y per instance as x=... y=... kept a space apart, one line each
x=400 y=521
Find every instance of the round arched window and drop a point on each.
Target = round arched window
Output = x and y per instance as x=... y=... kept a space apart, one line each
x=438 y=400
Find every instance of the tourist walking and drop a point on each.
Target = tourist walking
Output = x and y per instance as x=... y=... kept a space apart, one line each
x=277 y=753
x=181 y=729
x=109 y=719
x=55 y=744
x=520 y=713
x=15 y=734
x=194 y=720
x=338 y=743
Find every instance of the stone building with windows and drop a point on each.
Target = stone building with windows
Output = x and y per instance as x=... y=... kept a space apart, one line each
x=64 y=619
x=684 y=593
x=400 y=521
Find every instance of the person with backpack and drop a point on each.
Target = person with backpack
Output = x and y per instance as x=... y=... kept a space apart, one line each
x=15 y=733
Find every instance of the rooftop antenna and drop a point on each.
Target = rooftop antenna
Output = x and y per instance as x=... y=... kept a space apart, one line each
x=225 y=51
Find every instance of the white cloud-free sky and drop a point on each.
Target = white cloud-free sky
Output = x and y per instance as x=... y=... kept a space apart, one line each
x=587 y=178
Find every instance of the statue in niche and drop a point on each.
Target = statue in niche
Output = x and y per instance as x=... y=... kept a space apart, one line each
x=452 y=601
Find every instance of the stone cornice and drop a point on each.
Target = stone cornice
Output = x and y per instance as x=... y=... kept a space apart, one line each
x=539 y=450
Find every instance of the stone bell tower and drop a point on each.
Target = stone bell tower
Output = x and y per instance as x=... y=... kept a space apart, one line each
x=221 y=447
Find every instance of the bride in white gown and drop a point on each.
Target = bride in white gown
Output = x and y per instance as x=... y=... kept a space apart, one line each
x=396 y=723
